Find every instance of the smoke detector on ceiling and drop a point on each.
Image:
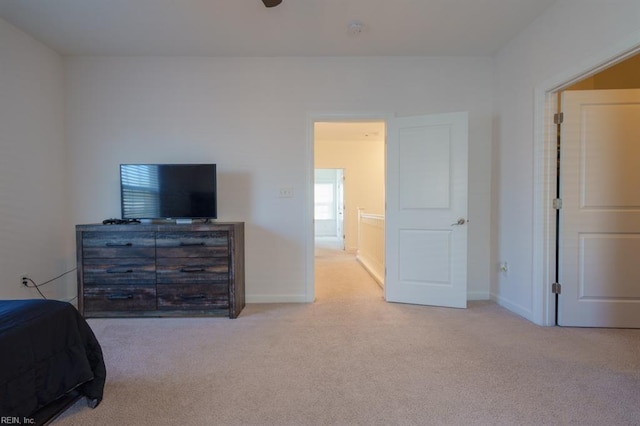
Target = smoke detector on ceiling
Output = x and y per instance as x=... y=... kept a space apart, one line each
x=355 y=27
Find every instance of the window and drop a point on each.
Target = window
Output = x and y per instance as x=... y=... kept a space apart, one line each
x=324 y=201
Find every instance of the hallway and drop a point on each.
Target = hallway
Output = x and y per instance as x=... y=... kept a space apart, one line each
x=341 y=278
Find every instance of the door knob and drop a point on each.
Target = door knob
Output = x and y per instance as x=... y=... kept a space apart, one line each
x=461 y=221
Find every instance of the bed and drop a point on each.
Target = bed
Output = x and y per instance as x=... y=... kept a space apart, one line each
x=49 y=358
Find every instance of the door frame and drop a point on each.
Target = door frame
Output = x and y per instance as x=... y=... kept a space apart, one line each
x=545 y=172
x=312 y=118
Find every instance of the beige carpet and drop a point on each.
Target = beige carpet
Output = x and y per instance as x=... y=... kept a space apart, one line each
x=352 y=359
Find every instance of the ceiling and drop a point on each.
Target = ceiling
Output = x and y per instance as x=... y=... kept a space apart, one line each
x=294 y=28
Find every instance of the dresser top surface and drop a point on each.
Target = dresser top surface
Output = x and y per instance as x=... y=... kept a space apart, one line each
x=160 y=227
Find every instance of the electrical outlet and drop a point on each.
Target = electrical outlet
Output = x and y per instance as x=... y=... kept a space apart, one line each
x=285 y=192
x=24 y=280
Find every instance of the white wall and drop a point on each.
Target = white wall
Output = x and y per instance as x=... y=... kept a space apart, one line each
x=36 y=236
x=363 y=162
x=570 y=36
x=250 y=116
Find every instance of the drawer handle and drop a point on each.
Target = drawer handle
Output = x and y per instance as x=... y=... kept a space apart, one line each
x=192 y=270
x=192 y=296
x=119 y=244
x=120 y=296
x=119 y=271
x=187 y=244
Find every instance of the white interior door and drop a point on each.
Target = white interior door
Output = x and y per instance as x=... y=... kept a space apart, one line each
x=426 y=215
x=600 y=215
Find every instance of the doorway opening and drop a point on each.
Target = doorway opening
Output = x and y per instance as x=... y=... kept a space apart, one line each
x=349 y=189
x=596 y=232
x=611 y=73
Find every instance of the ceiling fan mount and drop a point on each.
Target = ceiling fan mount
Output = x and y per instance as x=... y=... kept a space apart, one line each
x=271 y=3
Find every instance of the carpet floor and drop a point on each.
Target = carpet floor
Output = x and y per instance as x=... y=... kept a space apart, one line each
x=350 y=358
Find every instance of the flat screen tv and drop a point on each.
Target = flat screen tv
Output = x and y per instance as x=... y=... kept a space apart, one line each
x=168 y=191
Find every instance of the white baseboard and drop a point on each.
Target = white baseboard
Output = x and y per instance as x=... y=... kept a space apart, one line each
x=513 y=307
x=276 y=298
x=478 y=295
x=300 y=298
x=374 y=275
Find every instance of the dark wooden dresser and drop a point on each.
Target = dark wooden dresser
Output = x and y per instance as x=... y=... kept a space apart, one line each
x=160 y=269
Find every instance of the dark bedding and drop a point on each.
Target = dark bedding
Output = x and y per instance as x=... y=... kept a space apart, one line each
x=46 y=350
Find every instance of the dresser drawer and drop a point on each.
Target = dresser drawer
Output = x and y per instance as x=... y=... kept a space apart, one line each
x=119 y=298
x=193 y=244
x=160 y=269
x=193 y=296
x=118 y=244
x=134 y=271
x=192 y=270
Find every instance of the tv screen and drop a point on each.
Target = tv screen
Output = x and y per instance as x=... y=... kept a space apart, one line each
x=168 y=191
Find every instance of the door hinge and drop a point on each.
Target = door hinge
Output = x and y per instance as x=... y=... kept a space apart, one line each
x=558 y=118
x=557 y=203
x=556 y=288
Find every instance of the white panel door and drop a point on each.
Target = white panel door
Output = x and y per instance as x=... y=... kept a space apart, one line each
x=426 y=215
x=600 y=215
